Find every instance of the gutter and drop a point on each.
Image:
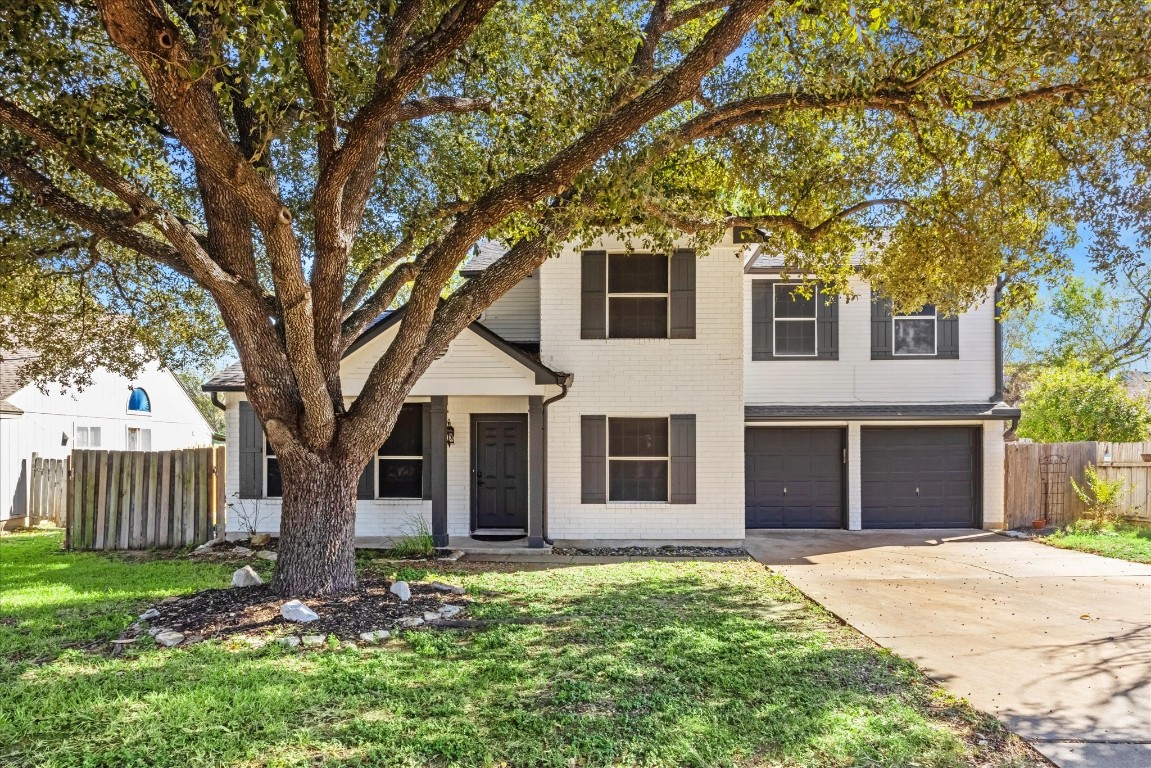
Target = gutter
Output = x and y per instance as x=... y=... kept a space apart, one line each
x=565 y=383
x=216 y=401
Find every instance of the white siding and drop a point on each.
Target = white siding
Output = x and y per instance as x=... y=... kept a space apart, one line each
x=856 y=379
x=649 y=377
x=48 y=416
x=516 y=315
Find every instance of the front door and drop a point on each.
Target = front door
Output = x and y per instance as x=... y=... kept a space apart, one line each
x=500 y=473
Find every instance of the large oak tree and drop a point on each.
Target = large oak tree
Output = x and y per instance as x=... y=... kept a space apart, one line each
x=294 y=168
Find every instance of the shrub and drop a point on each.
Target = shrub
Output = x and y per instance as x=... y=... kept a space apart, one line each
x=1072 y=402
x=1102 y=497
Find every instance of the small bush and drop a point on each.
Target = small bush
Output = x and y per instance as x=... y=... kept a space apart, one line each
x=1102 y=497
x=416 y=542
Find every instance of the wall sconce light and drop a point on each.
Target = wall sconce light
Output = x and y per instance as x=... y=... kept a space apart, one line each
x=450 y=432
x=64 y=438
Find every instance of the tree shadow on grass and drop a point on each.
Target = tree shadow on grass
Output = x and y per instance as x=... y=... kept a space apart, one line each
x=672 y=665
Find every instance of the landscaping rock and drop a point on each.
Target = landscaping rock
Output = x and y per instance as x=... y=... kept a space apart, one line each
x=294 y=610
x=169 y=638
x=241 y=551
x=155 y=631
x=439 y=586
x=311 y=641
x=246 y=577
x=260 y=539
x=291 y=641
x=431 y=616
x=204 y=548
x=411 y=621
x=375 y=636
x=451 y=611
x=169 y=599
x=452 y=556
x=149 y=614
x=267 y=554
x=401 y=590
x=349 y=645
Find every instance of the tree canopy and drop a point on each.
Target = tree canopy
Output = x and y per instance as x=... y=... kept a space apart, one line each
x=1073 y=402
x=292 y=167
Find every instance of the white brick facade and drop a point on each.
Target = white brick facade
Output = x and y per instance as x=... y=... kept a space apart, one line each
x=649 y=377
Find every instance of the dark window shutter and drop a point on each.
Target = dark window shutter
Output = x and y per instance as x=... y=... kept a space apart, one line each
x=426 y=432
x=827 y=326
x=683 y=294
x=880 y=327
x=761 y=316
x=947 y=345
x=593 y=464
x=682 y=489
x=251 y=453
x=593 y=295
x=366 y=486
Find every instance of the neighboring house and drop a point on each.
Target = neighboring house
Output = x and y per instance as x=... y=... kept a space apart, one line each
x=151 y=412
x=629 y=395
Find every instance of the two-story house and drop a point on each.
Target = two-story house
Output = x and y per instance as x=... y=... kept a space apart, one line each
x=622 y=394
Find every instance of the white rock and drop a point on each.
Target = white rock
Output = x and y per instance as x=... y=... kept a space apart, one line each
x=442 y=587
x=241 y=551
x=291 y=641
x=266 y=554
x=401 y=590
x=450 y=611
x=149 y=614
x=204 y=548
x=431 y=616
x=312 y=641
x=169 y=638
x=452 y=556
x=155 y=631
x=246 y=577
x=411 y=621
x=375 y=636
x=260 y=539
x=294 y=610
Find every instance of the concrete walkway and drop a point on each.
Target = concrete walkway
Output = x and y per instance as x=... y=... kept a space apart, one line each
x=1057 y=644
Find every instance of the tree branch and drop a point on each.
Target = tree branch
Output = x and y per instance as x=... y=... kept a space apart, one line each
x=372 y=272
x=311 y=17
x=438 y=105
x=787 y=221
x=693 y=12
x=359 y=320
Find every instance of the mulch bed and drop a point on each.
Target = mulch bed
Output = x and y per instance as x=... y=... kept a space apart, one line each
x=255 y=612
x=664 y=551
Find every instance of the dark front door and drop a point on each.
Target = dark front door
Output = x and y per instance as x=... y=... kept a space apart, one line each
x=793 y=478
x=500 y=472
x=919 y=477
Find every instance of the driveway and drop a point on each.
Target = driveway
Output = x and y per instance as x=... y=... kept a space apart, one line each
x=1057 y=644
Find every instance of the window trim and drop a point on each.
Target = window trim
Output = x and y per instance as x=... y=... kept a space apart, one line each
x=934 y=317
x=377 y=457
x=609 y=295
x=609 y=458
x=268 y=454
x=814 y=320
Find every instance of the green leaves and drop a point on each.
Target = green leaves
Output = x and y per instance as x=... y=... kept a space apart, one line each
x=1071 y=402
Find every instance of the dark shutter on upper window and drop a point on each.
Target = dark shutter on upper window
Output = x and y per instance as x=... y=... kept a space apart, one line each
x=947 y=345
x=366 y=485
x=593 y=295
x=593 y=459
x=682 y=489
x=426 y=421
x=881 y=333
x=251 y=453
x=683 y=294
x=761 y=317
x=827 y=326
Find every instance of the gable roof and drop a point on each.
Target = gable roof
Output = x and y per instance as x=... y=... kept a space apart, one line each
x=484 y=254
x=231 y=379
x=11 y=361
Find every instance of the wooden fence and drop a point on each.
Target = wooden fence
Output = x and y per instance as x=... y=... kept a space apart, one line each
x=1026 y=498
x=47 y=490
x=142 y=500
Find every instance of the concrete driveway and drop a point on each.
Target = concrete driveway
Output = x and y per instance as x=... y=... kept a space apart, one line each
x=1057 y=644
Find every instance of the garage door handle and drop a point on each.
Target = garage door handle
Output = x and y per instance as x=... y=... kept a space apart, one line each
x=785 y=490
x=916 y=491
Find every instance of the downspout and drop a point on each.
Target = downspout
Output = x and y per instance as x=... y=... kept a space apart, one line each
x=998 y=297
x=565 y=384
x=216 y=401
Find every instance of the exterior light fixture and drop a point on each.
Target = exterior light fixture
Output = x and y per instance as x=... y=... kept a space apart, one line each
x=450 y=433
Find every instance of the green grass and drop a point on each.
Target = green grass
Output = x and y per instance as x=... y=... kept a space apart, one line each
x=1125 y=541
x=695 y=664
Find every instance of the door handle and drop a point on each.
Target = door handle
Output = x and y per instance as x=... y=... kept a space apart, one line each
x=917 y=491
x=785 y=490
x=479 y=481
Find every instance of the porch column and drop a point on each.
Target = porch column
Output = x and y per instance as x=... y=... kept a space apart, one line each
x=854 y=479
x=439 y=469
x=535 y=471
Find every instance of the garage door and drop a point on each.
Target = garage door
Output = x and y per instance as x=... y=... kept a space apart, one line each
x=793 y=477
x=919 y=477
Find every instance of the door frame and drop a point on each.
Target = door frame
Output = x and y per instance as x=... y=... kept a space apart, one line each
x=476 y=418
x=844 y=477
x=977 y=468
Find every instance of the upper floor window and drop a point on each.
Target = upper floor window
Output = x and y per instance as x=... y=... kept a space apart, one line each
x=794 y=320
x=87 y=437
x=400 y=471
x=139 y=402
x=637 y=296
x=915 y=333
x=638 y=459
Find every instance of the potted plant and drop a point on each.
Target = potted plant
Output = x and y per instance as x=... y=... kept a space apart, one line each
x=1039 y=524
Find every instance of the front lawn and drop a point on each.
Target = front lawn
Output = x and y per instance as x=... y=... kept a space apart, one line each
x=1126 y=541
x=641 y=663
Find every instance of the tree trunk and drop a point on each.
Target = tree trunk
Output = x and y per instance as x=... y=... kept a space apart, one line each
x=317 y=528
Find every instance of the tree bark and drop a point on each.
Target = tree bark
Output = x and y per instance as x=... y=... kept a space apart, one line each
x=317 y=551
